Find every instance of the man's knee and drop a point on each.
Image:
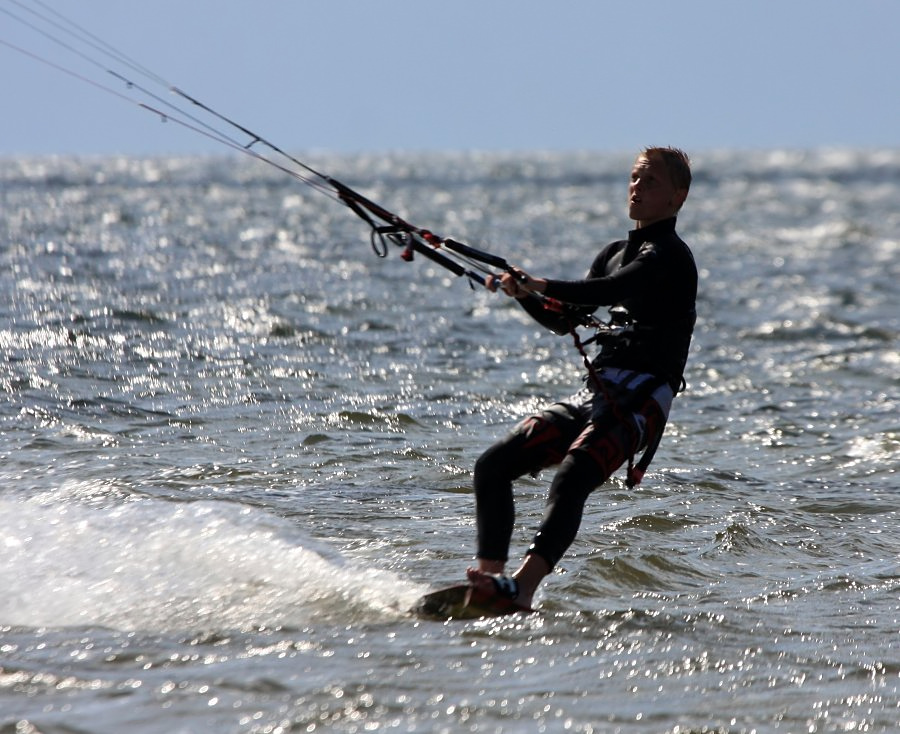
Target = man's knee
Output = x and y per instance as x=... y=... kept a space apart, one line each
x=600 y=453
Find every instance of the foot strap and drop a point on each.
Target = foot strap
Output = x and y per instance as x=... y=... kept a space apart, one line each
x=500 y=598
x=506 y=587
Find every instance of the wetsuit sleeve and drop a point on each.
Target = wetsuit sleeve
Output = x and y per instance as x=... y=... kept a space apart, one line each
x=561 y=323
x=552 y=320
x=640 y=275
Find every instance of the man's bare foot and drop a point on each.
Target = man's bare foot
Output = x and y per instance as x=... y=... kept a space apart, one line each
x=528 y=577
x=481 y=580
x=496 y=584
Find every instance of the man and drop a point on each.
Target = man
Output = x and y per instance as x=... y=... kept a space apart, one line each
x=630 y=386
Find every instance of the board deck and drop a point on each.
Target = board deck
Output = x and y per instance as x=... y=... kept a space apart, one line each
x=463 y=601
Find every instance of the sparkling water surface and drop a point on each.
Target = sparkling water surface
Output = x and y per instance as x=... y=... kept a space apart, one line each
x=236 y=446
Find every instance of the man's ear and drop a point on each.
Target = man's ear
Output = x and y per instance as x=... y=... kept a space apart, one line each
x=678 y=198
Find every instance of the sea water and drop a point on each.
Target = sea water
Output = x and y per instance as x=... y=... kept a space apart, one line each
x=236 y=446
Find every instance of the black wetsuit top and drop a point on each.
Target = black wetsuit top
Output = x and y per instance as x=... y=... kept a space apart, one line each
x=653 y=276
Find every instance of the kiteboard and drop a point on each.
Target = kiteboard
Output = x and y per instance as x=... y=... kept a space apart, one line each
x=463 y=601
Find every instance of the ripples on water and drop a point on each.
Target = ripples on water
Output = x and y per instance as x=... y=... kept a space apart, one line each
x=236 y=445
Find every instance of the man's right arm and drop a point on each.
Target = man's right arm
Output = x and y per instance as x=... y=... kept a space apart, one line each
x=556 y=321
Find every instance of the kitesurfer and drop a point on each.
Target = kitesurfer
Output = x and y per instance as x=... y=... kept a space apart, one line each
x=651 y=278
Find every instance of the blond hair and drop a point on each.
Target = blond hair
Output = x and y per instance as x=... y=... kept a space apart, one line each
x=676 y=162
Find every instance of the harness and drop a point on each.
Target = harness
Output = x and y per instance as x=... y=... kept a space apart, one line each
x=623 y=405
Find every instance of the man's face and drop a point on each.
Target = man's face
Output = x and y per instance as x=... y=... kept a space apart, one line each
x=651 y=194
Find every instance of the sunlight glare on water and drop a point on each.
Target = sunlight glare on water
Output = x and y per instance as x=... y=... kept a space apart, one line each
x=237 y=447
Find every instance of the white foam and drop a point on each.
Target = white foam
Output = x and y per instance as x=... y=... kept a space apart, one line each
x=153 y=564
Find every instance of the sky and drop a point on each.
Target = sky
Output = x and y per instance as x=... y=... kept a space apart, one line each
x=491 y=75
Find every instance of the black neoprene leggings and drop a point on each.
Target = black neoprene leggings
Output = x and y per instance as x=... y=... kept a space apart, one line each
x=587 y=453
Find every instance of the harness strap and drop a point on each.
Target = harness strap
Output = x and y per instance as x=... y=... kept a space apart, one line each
x=635 y=471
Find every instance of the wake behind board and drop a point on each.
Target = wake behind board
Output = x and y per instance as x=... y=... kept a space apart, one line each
x=463 y=601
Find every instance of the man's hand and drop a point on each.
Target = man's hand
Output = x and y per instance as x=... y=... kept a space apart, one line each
x=516 y=283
